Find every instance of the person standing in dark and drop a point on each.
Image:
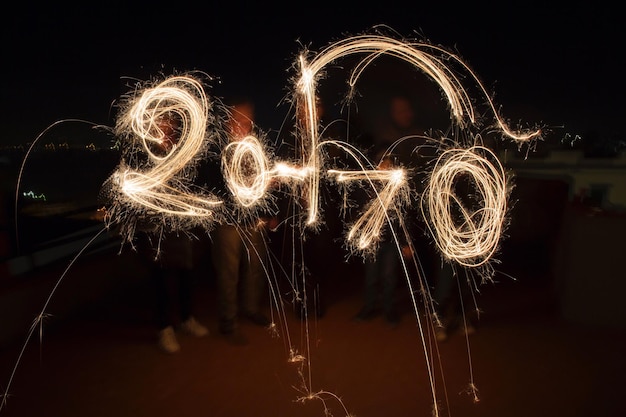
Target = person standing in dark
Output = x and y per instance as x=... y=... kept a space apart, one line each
x=169 y=258
x=383 y=268
x=400 y=128
x=238 y=252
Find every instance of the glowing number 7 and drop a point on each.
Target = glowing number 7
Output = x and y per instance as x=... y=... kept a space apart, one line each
x=366 y=230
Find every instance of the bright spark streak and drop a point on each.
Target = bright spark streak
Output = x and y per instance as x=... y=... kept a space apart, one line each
x=472 y=240
x=417 y=54
x=161 y=188
x=246 y=170
x=394 y=193
x=162 y=184
x=283 y=170
x=306 y=88
x=161 y=197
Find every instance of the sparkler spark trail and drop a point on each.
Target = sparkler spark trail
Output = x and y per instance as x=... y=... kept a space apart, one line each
x=431 y=60
x=248 y=170
x=473 y=240
x=162 y=183
x=155 y=179
x=365 y=231
x=246 y=167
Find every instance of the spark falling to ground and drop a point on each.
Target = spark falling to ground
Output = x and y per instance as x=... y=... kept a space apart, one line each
x=154 y=182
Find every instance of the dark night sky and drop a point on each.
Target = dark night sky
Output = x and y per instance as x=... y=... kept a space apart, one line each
x=554 y=65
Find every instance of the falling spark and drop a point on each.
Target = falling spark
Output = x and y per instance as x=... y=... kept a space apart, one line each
x=155 y=179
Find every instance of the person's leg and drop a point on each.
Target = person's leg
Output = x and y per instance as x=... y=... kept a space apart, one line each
x=322 y=263
x=443 y=297
x=390 y=270
x=444 y=289
x=372 y=271
x=185 y=293
x=226 y=251
x=465 y=310
x=162 y=297
x=254 y=284
x=189 y=323
x=166 y=336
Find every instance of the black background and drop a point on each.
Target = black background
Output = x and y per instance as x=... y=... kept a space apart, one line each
x=560 y=66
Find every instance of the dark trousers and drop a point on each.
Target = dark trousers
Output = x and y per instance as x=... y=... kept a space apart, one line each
x=238 y=257
x=173 y=288
x=452 y=297
x=381 y=277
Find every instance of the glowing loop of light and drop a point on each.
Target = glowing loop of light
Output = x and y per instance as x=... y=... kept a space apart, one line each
x=376 y=46
x=246 y=170
x=420 y=55
x=472 y=239
x=161 y=183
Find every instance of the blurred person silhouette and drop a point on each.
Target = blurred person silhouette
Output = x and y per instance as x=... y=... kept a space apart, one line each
x=169 y=258
x=389 y=150
x=420 y=151
x=238 y=250
x=400 y=123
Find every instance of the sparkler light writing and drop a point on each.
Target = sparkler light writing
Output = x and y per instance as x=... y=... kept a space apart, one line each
x=160 y=187
x=420 y=55
x=154 y=181
x=473 y=240
x=162 y=183
x=248 y=169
